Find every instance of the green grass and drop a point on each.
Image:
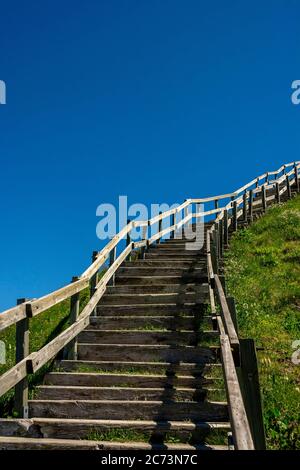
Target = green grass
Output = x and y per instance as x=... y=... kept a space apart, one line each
x=130 y=435
x=262 y=268
x=43 y=329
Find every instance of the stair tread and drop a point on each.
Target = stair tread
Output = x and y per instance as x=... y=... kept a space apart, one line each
x=26 y=442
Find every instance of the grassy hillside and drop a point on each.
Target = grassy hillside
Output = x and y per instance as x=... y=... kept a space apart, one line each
x=262 y=267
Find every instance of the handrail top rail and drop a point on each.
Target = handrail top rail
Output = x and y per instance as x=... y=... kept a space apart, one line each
x=33 y=307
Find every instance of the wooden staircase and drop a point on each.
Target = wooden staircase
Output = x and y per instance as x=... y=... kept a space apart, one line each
x=153 y=361
x=147 y=366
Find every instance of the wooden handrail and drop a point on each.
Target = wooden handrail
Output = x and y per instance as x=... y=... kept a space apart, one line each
x=238 y=417
x=226 y=315
x=32 y=308
x=36 y=306
x=229 y=340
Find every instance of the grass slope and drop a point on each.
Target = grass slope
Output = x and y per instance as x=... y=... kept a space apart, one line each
x=262 y=267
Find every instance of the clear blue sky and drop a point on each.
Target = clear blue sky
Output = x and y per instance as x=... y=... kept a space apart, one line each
x=160 y=100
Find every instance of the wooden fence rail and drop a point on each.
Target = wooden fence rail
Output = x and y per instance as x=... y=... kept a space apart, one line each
x=241 y=204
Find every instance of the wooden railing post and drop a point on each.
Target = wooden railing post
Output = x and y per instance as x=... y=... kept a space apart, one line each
x=245 y=206
x=232 y=308
x=226 y=227
x=221 y=238
x=216 y=203
x=94 y=278
x=288 y=187
x=22 y=351
x=249 y=382
x=216 y=241
x=277 y=192
x=143 y=248
x=213 y=250
x=263 y=198
x=128 y=241
x=70 y=351
x=112 y=259
x=172 y=222
x=159 y=228
x=296 y=178
x=234 y=216
x=250 y=213
x=257 y=183
x=267 y=178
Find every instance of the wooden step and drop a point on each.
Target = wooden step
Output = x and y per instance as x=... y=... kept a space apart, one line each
x=62 y=392
x=164 y=249
x=161 y=262
x=151 y=309
x=144 y=322
x=122 y=279
x=139 y=367
x=191 y=338
x=180 y=247
x=163 y=269
x=179 y=241
x=94 y=379
x=23 y=443
x=202 y=289
x=144 y=353
x=122 y=409
x=168 y=298
x=65 y=428
x=191 y=256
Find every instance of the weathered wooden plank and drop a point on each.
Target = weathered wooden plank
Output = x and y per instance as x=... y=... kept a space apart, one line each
x=238 y=417
x=128 y=280
x=49 y=351
x=168 y=298
x=171 y=322
x=65 y=428
x=43 y=303
x=226 y=316
x=96 y=379
x=11 y=316
x=103 y=254
x=157 y=289
x=96 y=336
x=22 y=351
x=123 y=409
x=128 y=367
x=176 y=394
x=13 y=376
x=148 y=309
x=23 y=443
x=145 y=353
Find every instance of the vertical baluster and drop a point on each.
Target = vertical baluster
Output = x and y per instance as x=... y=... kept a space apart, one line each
x=234 y=216
x=70 y=351
x=112 y=259
x=263 y=198
x=172 y=222
x=277 y=192
x=22 y=351
x=245 y=206
x=159 y=228
x=128 y=241
x=296 y=178
x=250 y=205
x=221 y=238
x=226 y=227
x=288 y=187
